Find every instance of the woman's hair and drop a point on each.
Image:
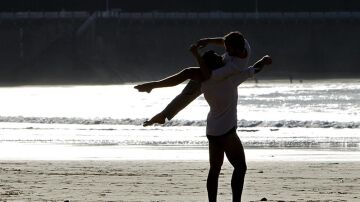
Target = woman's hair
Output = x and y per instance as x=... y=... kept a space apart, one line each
x=212 y=59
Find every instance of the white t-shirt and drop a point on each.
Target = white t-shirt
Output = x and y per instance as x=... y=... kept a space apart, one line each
x=222 y=97
x=221 y=93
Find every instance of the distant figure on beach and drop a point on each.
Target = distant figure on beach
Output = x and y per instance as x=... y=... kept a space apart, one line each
x=218 y=78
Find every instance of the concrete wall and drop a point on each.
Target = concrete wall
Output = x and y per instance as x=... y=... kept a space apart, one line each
x=116 y=50
x=181 y=6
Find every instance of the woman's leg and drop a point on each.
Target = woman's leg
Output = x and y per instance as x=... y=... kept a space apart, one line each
x=193 y=73
x=235 y=153
x=216 y=153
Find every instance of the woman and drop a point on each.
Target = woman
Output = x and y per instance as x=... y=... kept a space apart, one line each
x=222 y=97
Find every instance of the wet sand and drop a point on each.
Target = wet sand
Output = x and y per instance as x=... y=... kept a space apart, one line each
x=175 y=181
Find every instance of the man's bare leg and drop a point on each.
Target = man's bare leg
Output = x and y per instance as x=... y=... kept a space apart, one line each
x=235 y=153
x=216 y=153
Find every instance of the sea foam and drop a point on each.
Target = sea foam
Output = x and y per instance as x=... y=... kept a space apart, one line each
x=241 y=123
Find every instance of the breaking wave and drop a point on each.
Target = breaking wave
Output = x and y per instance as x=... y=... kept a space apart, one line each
x=241 y=123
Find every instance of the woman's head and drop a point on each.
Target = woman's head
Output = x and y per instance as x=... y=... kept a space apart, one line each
x=212 y=59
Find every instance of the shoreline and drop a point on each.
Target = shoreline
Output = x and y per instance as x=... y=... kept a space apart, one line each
x=140 y=180
x=66 y=152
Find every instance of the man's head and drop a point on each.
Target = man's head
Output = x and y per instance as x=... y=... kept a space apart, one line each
x=234 y=43
x=212 y=59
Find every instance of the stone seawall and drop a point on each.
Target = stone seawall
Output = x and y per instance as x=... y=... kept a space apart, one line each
x=114 y=48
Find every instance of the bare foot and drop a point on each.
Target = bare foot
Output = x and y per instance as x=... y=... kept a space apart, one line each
x=146 y=87
x=158 y=118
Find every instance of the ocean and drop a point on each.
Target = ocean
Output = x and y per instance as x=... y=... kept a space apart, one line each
x=314 y=120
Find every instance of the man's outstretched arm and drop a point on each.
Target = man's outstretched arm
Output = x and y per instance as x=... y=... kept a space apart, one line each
x=190 y=93
x=250 y=71
x=259 y=65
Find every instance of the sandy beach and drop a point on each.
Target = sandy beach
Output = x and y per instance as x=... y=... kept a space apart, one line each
x=175 y=181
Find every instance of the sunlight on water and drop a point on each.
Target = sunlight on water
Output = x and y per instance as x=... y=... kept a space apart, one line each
x=104 y=122
x=120 y=101
x=333 y=100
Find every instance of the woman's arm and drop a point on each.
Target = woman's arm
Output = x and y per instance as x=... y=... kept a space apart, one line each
x=215 y=40
x=205 y=70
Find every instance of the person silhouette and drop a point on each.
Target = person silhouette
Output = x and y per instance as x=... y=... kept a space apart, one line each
x=219 y=81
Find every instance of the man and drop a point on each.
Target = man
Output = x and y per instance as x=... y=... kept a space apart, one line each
x=236 y=58
x=220 y=91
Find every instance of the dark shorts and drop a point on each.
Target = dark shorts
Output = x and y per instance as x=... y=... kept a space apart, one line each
x=229 y=144
x=221 y=138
